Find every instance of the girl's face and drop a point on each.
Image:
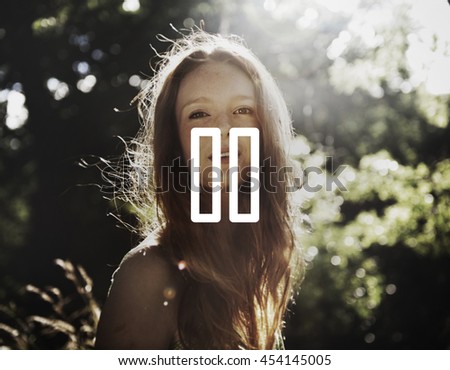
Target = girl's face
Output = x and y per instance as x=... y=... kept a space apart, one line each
x=216 y=94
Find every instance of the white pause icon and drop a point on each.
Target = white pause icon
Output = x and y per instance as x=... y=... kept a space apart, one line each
x=234 y=134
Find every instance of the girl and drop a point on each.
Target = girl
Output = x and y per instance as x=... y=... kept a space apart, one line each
x=211 y=285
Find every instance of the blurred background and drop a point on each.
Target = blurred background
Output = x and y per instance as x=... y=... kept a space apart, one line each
x=368 y=85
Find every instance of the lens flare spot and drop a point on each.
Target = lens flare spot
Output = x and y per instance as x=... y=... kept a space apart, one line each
x=360 y=273
x=335 y=260
x=391 y=289
x=369 y=338
x=169 y=293
x=181 y=265
x=359 y=292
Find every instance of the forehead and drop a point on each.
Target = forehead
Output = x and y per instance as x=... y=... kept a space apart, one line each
x=213 y=78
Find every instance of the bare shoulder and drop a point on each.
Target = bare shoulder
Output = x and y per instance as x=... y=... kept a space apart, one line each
x=142 y=307
x=144 y=262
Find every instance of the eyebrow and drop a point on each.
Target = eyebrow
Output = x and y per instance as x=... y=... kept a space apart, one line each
x=201 y=99
x=204 y=99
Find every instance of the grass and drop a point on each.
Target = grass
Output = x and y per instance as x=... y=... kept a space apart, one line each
x=69 y=320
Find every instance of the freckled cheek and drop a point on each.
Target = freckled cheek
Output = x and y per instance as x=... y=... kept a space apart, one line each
x=205 y=150
x=244 y=149
x=185 y=140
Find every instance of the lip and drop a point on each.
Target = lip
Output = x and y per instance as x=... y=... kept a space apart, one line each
x=226 y=158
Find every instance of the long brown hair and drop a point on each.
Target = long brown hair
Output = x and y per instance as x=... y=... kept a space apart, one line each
x=239 y=283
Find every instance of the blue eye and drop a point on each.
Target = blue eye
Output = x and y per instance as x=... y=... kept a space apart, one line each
x=243 y=110
x=197 y=115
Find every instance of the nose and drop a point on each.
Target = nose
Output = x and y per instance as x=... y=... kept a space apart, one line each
x=224 y=123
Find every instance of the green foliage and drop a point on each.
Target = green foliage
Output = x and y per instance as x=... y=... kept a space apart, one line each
x=413 y=199
x=390 y=133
